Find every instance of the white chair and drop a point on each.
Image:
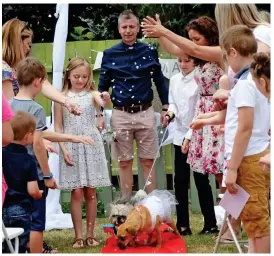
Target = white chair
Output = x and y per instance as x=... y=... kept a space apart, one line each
x=11 y=233
x=218 y=241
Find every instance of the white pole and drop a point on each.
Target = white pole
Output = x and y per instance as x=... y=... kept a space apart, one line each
x=55 y=218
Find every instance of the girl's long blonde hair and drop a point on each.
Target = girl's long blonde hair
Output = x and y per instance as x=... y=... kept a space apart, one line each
x=75 y=63
x=228 y=15
x=14 y=32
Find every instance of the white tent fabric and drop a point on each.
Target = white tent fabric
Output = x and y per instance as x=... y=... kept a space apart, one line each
x=55 y=218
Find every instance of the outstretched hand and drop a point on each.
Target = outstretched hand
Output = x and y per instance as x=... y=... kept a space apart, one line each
x=49 y=146
x=221 y=94
x=152 y=27
x=72 y=107
x=83 y=139
x=197 y=124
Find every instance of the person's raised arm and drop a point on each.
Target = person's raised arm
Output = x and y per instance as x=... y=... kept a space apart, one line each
x=167 y=45
x=207 y=53
x=262 y=47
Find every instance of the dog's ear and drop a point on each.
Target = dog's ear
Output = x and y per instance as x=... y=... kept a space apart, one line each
x=132 y=230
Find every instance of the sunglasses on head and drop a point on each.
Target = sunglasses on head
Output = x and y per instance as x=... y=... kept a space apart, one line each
x=26 y=27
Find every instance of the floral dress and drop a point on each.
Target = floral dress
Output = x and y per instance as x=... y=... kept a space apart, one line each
x=8 y=73
x=206 y=149
x=90 y=165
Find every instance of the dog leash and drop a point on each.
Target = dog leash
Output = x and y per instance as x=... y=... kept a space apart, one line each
x=162 y=141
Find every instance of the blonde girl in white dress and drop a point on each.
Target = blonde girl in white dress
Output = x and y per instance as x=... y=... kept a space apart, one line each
x=82 y=167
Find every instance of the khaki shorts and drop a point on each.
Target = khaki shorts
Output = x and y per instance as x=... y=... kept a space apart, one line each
x=255 y=181
x=140 y=126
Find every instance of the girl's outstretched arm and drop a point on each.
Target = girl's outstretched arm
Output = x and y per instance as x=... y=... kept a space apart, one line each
x=211 y=118
x=100 y=99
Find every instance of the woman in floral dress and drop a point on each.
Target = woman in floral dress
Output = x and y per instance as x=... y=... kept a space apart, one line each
x=204 y=155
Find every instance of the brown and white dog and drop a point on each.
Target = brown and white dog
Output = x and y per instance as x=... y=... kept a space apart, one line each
x=146 y=218
x=120 y=208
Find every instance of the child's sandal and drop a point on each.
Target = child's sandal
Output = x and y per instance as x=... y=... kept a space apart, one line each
x=78 y=243
x=92 y=242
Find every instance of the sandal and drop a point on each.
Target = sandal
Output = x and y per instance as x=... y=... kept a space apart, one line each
x=78 y=243
x=92 y=242
x=48 y=249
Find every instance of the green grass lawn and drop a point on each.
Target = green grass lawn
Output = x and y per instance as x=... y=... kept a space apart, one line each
x=63 y=239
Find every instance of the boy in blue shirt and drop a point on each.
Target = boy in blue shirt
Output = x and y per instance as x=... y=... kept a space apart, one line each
x=20 y=172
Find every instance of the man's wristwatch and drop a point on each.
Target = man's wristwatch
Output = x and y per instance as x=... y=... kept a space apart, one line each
x=171 y=116
x=48 y=177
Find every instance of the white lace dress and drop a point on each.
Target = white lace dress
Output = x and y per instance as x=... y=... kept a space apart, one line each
x=90 y=165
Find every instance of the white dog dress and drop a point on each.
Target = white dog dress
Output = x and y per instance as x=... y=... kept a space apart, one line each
x=159 y=202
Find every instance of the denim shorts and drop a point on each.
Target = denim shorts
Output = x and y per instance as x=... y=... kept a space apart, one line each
x=17 y=216
x=38 y=222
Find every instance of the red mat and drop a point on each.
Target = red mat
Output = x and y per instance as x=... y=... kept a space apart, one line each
x=171 y=243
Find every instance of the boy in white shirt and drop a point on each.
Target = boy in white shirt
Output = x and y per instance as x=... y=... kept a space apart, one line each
x=246 y=138
x=183 y=92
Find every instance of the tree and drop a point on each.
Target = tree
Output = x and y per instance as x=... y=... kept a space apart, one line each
x=99 y=21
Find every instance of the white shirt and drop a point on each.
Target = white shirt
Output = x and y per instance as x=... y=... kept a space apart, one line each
x=182 y=97
x=246 y=94
x=262 y=33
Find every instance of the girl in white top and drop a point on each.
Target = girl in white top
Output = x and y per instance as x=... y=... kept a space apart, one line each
x=82 y=167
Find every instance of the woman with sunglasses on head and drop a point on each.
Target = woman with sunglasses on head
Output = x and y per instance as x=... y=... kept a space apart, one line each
x=16 y=45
